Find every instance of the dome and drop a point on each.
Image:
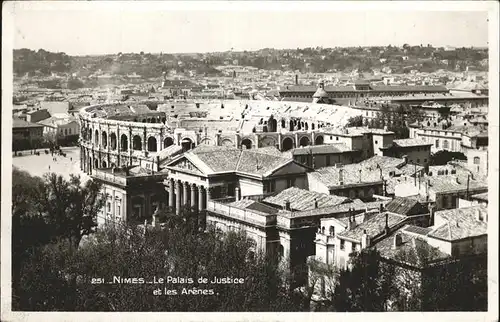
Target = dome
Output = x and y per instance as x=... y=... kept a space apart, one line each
x=320 y=93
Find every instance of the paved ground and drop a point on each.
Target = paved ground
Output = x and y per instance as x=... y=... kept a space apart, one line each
x=38 y=165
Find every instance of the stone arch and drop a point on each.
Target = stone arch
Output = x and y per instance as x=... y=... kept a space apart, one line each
x=152 y=145
x=287 y=144
x=96 y=137
x=304 y=141
x=124 y=142
x=206 y=141
x=112 y=137
x=226 y=142
x=104 y=139
x=137 y=143
x=168 y=142
x=187 y=144
x=246 y=143
x=273 y=125
x=319 y=140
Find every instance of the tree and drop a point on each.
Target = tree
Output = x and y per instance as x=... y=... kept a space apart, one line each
x=443 y=157
x=70 y=206
x=79 y=280
x=355 y=121
x=366 y=286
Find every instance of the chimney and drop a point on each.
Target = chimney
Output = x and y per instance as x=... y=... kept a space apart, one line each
x=365 y=240
x=341 y=177
x=398 y=240
x=386 y=228
x=296 y=79
x=479 y=215
x=405 y=158
x=287 y=205
x=315 y=203
x=381 y=208
x=431 y=215
x=359 y=175
x=237 y=193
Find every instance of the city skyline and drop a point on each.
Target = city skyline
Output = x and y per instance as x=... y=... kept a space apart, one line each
x=177 y=29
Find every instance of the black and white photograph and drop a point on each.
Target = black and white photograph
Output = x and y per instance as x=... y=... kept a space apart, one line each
x=245 y=160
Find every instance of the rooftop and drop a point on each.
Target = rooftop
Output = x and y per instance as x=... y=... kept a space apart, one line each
x=346 y=175
x=373 y=226
x=461 y=223
x=322 y=149
x=404 y=143
x=18 y=123
x=301 y=199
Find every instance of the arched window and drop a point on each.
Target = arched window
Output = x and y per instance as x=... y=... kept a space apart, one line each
x=477 y=160
x=445 y=144
x=332 y=231
x=152 y=147
x=137 y=142
x=124 y=143
x=323 y=230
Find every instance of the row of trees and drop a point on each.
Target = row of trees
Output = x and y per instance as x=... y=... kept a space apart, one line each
x=53 y=269
x=395 y=118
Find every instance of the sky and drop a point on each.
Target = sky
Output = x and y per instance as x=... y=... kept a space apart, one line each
x=108 y=28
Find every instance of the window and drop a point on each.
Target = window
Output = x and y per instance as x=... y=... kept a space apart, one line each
x=118 y=211
x=376 y=142
x=109 y=206
x=323 y=230
x=477 y=160
x=332 y=231
x=331 y=137
x=342 y=244
x=437 y=143
x=425 y=160
x=290 y=182
x=418 y=160
x=269 y=186
x=445 y=144
x=327 y=160
x=353 y=247
x=337 y=138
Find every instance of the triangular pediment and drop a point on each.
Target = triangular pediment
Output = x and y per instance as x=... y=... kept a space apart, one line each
x=289 y=168
x=184 y=164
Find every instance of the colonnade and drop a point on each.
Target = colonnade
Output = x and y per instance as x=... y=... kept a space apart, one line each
x=188 y=195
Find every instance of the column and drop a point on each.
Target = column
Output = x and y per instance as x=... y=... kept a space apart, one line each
x=171 y=193
x=201 y=200
x=313 y=138
x=297 y=144
x=280 y=138
x=178 y=198
x=194 y=202
x=185 y=194
x=118 y=146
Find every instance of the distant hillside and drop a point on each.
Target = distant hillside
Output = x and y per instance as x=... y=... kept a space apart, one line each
x=315 y=60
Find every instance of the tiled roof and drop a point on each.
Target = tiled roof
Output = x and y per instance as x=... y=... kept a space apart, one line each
x=381 y=161
x=167 y=153
x=481 y=196
x=329 y=211
x=260 y=162
x=423 y=231
x=301 y=199
x=402 y=205
x=448 y=183
x=373 y=226
x=322 y=149
x=18 y=123
x=253 y=205
x=350 y=174
x=410 y=143
x=461 y=223
x=412 y=247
